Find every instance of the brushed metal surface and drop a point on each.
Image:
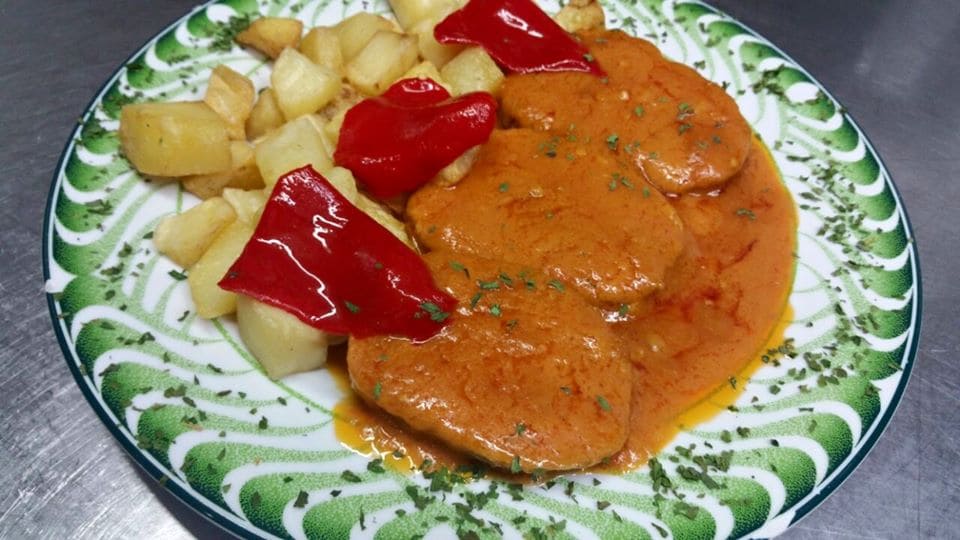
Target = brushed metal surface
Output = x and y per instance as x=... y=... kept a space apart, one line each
x=894 y=64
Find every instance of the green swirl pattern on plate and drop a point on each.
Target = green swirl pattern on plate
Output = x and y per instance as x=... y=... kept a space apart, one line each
x=260 y=458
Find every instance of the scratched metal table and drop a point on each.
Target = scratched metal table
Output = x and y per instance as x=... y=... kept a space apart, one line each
x=894 y=64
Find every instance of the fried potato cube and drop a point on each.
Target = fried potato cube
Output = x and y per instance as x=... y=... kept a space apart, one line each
x=577 y=18
x=387 y=56
x=384 y=217
x=271 y=35
x=248 y=204
x=426 y=70
x=472 y=71
x=454 y=172
x=243 y=174
x=265 y=116
x=322 y=46
x=301 y=86
x=343 y=180
x=174 y=139
x=357 y=30
x=185 y=237
x=230 y=95
x=332 y=128
x=290 y=147
x=212 y=301
x=282 y=343
x=430 y=49
x=411 y=12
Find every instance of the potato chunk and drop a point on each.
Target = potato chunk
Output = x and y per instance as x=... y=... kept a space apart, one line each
x=322 y=46
x=357 y=30
x=174 y=139
x=210 y=299
x=289 y=147
x=265 y=116
x=185 y=237
x=473 y=71
x=230 y=95
x=426 y=70
x=282 y=343
x=387 y=56
x=246 y=203
x=243 y=174
x=270 y=35
x=576 y=18
x=430 y=49
x=384 y=217
x=454 y=172
x=301 y=86
x=411 y=12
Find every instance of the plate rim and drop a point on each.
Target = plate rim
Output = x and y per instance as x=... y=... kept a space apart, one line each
x=213 y=514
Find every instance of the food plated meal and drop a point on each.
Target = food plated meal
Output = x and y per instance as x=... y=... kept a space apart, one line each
x=517 y=261
x=607 y=256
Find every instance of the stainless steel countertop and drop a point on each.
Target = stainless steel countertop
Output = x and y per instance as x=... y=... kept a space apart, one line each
x=895 y=64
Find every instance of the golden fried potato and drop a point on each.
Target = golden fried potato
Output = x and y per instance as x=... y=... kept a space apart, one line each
x=282 y=343
x=322 y=46
x=265 y=116
x=210 y=299
x=357 y=30
x=185 y=237
x=230 y=95
x=242 y=174
x=301 y=86
x=270 y=35
x=473 y=71
x=387 y=56
x=174 y=139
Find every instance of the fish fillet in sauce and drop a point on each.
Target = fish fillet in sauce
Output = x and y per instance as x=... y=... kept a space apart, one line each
x=565 y=196
x=682 y=131
x=560 y=204
x=530 y=376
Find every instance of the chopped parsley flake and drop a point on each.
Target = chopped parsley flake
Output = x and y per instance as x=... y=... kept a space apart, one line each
x=436 y=314
x=495 y=310
x=623 y=310
x=515 y=465
x=504 y=187
x=177 y=275
x=604 y=404
x=747 y=213
x=351 y=307
x=521 y=427
x=612 y=141
x=638 y=110
x=377 y=389
x=350 y=476
x=555 y=284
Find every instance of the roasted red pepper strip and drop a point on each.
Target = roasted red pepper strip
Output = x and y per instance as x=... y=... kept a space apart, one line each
x=398 y=141
x=518 y=35
x=322 y=259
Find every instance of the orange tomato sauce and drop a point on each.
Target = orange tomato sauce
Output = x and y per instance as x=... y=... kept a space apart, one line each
x=724 y=303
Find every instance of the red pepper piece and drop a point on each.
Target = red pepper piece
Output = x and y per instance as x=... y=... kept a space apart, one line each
x=518 y=35
x=322 y=259
x=398 y=141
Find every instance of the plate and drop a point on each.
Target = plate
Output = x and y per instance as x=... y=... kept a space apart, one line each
x=260 y=458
